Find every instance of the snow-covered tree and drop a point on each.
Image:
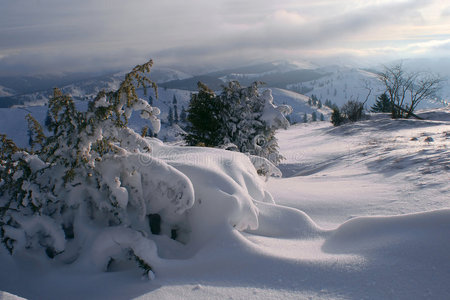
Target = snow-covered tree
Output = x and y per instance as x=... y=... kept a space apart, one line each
x=87 y=191
x=240 y=118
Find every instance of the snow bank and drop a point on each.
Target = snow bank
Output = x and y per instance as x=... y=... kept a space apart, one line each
x=226 y=187
x=409 y=236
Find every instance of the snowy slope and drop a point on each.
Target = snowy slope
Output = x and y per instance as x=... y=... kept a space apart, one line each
x=5 y=92
x=12 y=120
x=342 y=83
x=375 y=167
x=299 y=104
x=13 y=124
x=361 y=212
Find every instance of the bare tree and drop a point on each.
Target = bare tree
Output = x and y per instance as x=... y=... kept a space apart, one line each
x=407 y=89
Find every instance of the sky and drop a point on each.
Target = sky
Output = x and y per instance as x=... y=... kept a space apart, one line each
x=44 y=36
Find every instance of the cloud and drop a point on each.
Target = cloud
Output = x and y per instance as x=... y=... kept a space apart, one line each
x=445 y=12
x=90 y=34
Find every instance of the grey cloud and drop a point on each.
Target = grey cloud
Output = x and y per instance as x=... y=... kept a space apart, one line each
x=314 y=34
x=50 y=34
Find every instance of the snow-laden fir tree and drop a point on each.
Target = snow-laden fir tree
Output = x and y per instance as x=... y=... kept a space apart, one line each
x=87 y=190
x=239 y=117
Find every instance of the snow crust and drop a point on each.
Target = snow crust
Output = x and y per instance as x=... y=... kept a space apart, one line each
x=361 y=212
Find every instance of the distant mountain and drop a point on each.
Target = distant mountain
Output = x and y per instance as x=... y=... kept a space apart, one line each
x=35 y=90
x=274 y=74
x=336 y=83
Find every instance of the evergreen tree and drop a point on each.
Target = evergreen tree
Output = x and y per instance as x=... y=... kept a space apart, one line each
x=314 y=99
x=383 y=104
x=313 y=116
x=203 y=118
x=319 y=104
x=183 y=115
x=30 y=137
x=305 y=118
x=175 y=110
x=85 y=179
x=236 y=117
x=175 y=114
x=150 y=100
x=336 y=117
x=170 y=117
x=48 y=120
x=322 y=118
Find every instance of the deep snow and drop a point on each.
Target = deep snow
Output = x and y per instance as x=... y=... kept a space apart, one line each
x=362 y=212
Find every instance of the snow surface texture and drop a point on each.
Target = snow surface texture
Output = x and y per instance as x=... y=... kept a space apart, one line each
x=361 y=212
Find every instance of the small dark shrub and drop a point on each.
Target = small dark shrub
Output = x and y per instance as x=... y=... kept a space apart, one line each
x=353 y=110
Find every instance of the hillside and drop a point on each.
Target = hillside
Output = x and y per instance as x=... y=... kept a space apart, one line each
x=12 y=120
x=35 y=90
x=337 y=84
x=360 y=212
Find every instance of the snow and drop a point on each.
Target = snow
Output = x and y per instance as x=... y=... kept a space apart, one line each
x=361 y=212
x=5 y=92
x=299 y=104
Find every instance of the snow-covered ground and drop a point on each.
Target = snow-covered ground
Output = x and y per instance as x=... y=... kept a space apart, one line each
x=362 y=212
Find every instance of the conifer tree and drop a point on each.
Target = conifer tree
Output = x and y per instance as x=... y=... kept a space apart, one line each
x=236 y=117
x=383 y=104
x=183 y=115
x=170 y=117
x=175 y=110
x=336 y=117
x=48 y=120
x=89 y=170
x=313 y=116
x=203 y=118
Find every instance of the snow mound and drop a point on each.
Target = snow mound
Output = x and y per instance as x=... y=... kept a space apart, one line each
x=407 y=236
x=226 y=187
